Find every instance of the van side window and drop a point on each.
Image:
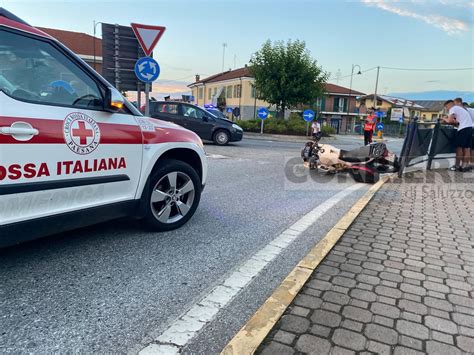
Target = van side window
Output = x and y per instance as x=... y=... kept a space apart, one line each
x=35 y=71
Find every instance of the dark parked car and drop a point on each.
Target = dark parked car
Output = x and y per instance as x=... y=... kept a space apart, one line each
x=203 y=123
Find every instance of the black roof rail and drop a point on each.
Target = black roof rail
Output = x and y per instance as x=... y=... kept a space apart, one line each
x=10 y=16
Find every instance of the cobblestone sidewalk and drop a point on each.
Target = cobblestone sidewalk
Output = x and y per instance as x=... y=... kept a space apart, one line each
x=399 y=281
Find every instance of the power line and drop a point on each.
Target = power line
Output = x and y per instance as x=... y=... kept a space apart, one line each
x=362 y=71
x=186 y=77
x=427 y=69
x=410 y=69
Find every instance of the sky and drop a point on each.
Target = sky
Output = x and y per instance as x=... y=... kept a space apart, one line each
x=407 y=34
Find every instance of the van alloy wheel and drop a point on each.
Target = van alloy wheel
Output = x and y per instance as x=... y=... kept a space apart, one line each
x=172 y=197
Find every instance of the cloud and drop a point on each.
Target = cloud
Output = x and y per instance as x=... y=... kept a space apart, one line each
x=451 y=26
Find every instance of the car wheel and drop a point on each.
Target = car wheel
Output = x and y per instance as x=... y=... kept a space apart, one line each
x=221 y=137
x=173 y=195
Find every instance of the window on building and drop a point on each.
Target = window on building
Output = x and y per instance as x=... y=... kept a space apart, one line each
x=215 y=91
x=340 y=104
x=237 y=89
x=253 y=91
x=229 y=92
x=318 y=103
x=201 y=93
x=209 y=94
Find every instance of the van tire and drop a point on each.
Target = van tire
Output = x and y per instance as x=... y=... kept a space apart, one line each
x=172 y=206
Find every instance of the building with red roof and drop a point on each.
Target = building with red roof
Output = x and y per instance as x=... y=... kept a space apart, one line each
x=235 y=88
x=80 y=43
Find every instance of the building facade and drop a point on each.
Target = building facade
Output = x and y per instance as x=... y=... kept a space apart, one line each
x=230 y=89
x=432 y=109
x=338 y=108
x=385 y=103
x=235 y=88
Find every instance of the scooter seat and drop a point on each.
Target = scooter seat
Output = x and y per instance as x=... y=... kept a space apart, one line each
x=356 y=155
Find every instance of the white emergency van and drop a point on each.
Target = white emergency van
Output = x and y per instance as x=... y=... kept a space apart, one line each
x=74 y=152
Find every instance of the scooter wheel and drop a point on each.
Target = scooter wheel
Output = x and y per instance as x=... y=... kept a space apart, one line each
x=370 y=176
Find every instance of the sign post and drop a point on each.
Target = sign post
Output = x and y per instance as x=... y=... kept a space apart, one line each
x=262 y=114
x=380 y=115
x=401 y=124
x=146 y=68
x=308 y=116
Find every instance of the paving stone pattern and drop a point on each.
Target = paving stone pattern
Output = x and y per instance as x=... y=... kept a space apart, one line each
x=399 y=281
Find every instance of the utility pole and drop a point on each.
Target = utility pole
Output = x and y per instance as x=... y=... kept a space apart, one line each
x=376 y=86
x=223 y=55
x=235 y=61
x=338 y=76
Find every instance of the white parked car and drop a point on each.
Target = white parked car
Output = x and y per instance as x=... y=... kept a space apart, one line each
x=74 y=152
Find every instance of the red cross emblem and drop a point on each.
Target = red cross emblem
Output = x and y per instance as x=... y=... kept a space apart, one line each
x=83 y=133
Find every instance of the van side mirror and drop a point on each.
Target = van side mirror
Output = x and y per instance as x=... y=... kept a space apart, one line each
x=114 y=100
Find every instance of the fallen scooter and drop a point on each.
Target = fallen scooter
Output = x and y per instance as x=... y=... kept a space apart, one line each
x=364 y=164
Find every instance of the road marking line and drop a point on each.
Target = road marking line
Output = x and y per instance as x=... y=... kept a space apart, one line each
x=251 y=335
x=216 y=156
x=182 y=330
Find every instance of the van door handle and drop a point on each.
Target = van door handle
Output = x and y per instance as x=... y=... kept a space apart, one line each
x=20 y=131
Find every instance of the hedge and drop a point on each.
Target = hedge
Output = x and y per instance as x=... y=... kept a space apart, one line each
x=292 y=126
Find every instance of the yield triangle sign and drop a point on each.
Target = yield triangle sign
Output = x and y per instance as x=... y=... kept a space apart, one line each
x=148 y=36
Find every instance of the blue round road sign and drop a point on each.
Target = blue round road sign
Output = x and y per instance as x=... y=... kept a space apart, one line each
x=380 y=114
x=380 y=126
x=308 y=115
x=147 y=69
x=262 y=113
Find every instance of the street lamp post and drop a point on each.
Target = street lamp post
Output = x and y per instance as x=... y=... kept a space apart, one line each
x=350 y=88
x=93 y=42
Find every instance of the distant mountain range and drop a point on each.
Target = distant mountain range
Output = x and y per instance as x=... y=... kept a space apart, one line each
x=467 y=96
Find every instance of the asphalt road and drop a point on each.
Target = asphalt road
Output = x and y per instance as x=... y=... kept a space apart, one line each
x=116 y=287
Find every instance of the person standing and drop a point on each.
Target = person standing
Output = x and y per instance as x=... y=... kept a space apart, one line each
x=462 y=141
x=470 y=110
x=315 y=127
x=369 y=126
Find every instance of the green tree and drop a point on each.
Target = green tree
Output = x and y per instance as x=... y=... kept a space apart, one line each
x=471 y=104
x=286 y=75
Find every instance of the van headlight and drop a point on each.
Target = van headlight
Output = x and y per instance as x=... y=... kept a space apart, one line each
x=236 y=127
